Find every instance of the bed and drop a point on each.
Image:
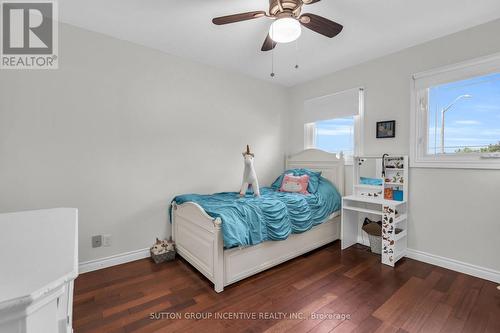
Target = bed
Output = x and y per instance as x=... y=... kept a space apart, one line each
x=200 y=240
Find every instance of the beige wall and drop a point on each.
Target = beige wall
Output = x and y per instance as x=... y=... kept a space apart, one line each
x=453 y=212
x=120 y=129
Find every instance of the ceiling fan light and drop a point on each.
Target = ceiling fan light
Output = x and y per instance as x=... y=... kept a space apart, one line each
x=285 y=30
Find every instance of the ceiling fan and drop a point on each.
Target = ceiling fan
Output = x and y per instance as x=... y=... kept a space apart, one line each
x=287 y=22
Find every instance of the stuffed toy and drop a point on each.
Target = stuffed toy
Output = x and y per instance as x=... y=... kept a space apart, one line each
x=162 y=246
x=170 y=245
x=249 y=175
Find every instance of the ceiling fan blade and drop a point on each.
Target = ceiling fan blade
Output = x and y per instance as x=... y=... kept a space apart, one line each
x=269 y=44
x=310 y=2
x=238 y=17
x=321 y=25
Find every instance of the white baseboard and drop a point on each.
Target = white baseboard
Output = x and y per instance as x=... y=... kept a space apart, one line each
x=455 y=265
x=117 y=259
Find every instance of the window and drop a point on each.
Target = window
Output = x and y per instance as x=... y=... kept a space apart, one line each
x=464 y=116
x=335 y=135
x=456 y=116
x=332 y=123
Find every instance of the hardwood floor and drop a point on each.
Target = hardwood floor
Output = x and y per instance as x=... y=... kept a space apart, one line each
x=327 y=291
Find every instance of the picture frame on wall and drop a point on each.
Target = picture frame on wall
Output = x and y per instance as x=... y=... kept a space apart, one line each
x=386 y=129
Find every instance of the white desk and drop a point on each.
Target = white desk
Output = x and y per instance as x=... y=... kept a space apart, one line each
x=38 y=263
x=355 y=208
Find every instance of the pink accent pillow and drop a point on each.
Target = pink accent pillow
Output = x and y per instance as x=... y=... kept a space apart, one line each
x=295 y=184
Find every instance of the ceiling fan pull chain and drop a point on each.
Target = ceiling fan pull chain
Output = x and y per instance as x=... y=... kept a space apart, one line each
x=297 y=54
x=272 y=64
x=272 y=60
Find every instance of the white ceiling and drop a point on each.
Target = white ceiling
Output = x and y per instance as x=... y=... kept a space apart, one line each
x=372 y=28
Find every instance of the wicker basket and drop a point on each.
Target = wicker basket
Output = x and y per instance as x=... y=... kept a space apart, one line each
x=167 y=256
x=375 y=243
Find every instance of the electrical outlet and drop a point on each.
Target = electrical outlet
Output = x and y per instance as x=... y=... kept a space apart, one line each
x=97 y=241
x=106 y=240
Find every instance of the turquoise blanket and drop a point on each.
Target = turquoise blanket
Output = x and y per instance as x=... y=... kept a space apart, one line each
x=272 y=216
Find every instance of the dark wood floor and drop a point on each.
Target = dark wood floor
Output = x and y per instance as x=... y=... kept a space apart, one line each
x=413 y=297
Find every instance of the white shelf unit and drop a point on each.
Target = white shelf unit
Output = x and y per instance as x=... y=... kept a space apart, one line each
x=391 y=183
x=396 y=177
x=368 y=201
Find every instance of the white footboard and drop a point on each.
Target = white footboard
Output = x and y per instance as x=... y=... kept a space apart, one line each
x=198 y=239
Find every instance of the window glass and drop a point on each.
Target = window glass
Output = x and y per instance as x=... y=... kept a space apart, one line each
x=335 y=135
x=464 y=116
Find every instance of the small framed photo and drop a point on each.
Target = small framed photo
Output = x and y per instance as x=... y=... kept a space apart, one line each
x=386 y=129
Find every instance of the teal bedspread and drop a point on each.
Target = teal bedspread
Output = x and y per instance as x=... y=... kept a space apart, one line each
x=272 y=216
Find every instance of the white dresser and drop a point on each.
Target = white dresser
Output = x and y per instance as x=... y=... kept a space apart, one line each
x=38 y=264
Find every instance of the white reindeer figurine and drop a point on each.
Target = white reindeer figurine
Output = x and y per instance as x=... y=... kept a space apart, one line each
x=249 y=175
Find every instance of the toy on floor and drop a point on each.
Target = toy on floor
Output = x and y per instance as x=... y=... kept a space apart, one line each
x=159 y=247
x=249 y=175
x=163 y=250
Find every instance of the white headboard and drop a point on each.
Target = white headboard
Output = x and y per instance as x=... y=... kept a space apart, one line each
x=331 y=166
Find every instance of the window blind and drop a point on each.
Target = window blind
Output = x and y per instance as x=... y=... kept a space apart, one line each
x=339 y=105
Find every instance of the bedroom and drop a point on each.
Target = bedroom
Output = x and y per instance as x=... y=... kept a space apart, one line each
x=143 y=107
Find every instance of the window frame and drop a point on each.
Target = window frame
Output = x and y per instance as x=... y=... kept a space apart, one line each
x=419 y=158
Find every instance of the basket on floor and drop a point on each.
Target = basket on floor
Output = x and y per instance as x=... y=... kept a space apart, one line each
x=167 y=256
x=374 y=232
x=375 y=243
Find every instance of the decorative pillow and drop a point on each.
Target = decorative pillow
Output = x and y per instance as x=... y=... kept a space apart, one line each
x=277 y=183
x=295 y=184
x=314 y=178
